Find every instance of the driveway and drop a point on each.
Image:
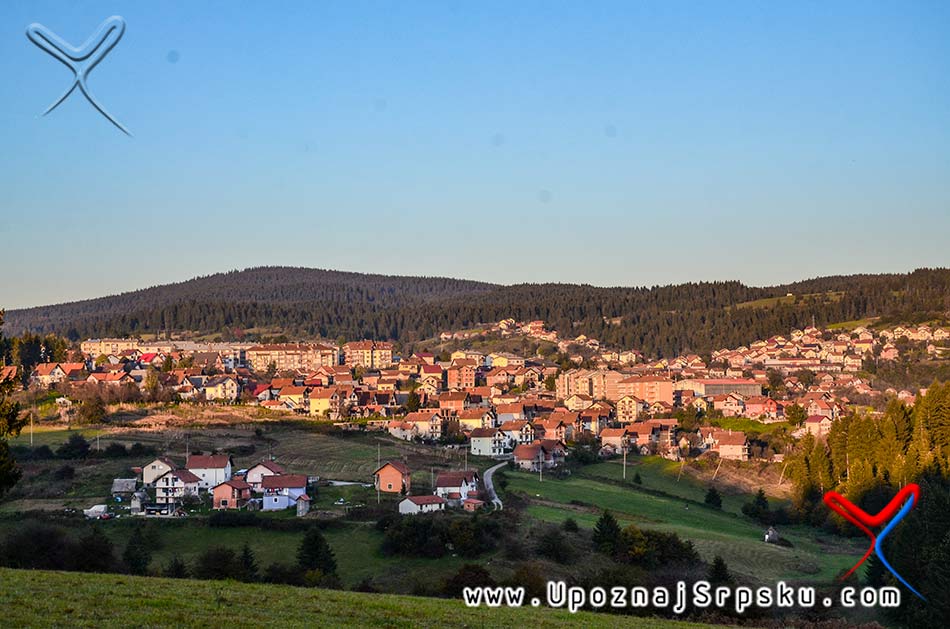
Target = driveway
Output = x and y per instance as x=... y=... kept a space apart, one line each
x=490 y=488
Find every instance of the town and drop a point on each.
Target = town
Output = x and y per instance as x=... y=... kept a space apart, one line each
x=528 y=410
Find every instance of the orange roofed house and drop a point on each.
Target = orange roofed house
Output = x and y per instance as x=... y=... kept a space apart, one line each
x=394 y=477
x=231 y=494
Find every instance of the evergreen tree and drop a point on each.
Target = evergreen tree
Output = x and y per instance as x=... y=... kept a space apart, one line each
x=315 y=553
x=637 y=479
x=713 y=498
x=10 y=425
x=175 y=569
x=137 y=555
x=249 y=570
x=606 y=533
x=94 y=553
x=719 y=572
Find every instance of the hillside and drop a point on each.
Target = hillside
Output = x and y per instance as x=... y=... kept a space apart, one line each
x=47 y=599
x=310 y=303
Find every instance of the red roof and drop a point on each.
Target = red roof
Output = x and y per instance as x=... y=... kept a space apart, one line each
x=425 y=500
x=287 y=481
x=207 y=461
x=399 y=466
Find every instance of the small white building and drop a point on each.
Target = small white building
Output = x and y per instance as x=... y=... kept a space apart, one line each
x=156 y=469
x=281 y=492
x=256 y=474
x=174 y=485
x=211 y=469
x=455 y=487
x=412 y=505
x=487 y=442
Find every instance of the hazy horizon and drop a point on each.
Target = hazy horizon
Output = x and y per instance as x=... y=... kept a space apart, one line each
x=223 y=271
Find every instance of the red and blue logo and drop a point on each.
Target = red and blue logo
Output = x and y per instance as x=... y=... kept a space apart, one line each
x=901 y=504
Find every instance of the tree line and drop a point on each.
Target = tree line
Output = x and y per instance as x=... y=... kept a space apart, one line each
x=667 y=320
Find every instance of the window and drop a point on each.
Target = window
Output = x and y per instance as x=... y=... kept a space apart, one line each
x=224 y=503
x=389 y=486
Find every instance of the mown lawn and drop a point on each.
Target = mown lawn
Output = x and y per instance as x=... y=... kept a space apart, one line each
x=56 y=599
x=814 y=555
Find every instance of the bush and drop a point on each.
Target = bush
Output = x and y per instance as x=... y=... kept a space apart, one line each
x=115 y=451
x=139 y=450
x=713 y=498
x=75 y=448
x=554 y=545
x=175 y=569
x=570 y=525
x=469 y=575
x=65 y=472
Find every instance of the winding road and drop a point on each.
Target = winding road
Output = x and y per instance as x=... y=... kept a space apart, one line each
x=490 y=488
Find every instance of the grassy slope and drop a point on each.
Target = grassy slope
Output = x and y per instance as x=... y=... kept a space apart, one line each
x=815 y=556
x=36 y=598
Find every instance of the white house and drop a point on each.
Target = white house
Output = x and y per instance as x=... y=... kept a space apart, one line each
x=174 y=485
x=283 y=491
x=211 y=469
x=156 y=469
x=258 y=472
x=487 y=442
x=456 y=486
x=412 y=505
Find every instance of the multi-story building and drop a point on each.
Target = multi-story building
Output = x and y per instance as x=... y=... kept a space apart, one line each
x=371 y=354
x=650 y=389
x=290 y=356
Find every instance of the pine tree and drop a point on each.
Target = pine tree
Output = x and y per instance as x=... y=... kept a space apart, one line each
x=175 y=569
x=606 y=533
x=719 y=572
x=10 y=425
x=315 y=553
x=713 y=498
x=248 y=564
x=637 y=479
x=137 y=555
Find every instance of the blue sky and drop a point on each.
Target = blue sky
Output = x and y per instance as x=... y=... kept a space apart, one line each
x=607 y=143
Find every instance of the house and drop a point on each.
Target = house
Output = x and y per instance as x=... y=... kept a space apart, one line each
x=258 y=471
x=174 y=485
x=211 y=469
x=472 y=418
x=487 y=442
x=428 y=423
x=732 y=445
x=402 y=429
x=578 y=402
x=517 y=432
x=156 y=469
x=283 y=491
x=112 y=378
x=818 y=425
x=453 y=402
x=394 y=477
x=533 y=456
x=472 y=504
x=222 y=388
x=46 y=374
x=412 y=505
x=616 y=438
x=629 y=408
x=456 y=486
x=123 y=487
x=231 y=494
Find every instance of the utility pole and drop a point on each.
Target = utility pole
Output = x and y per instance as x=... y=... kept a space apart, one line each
x=625 y=463
x=540 y=464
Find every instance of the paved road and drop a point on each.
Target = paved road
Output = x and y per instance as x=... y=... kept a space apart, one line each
x=490 y=488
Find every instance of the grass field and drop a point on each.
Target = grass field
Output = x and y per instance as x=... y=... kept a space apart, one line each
x=814 y=556
x=55 y=599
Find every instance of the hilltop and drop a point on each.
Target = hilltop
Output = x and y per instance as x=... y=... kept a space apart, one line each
x=40 y=598
x=312 y=303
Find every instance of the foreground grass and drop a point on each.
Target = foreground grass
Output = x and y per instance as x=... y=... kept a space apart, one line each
x=48 y=599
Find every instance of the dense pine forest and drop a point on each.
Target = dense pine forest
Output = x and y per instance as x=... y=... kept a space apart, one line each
x=667 y=320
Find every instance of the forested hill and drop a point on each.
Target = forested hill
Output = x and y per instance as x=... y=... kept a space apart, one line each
x=667 y=320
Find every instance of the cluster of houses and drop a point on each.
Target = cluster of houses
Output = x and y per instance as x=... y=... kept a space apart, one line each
x=162 y=486
x=509 y=406
x=452 y=489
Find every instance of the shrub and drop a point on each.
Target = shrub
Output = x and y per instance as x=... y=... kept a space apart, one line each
x=713 y=498
x=115 y=451
x=570 y=525
x=217 y=562
x=65 y=472
x=75 y=448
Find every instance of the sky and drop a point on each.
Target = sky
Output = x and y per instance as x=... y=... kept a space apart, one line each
x=609 y=143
